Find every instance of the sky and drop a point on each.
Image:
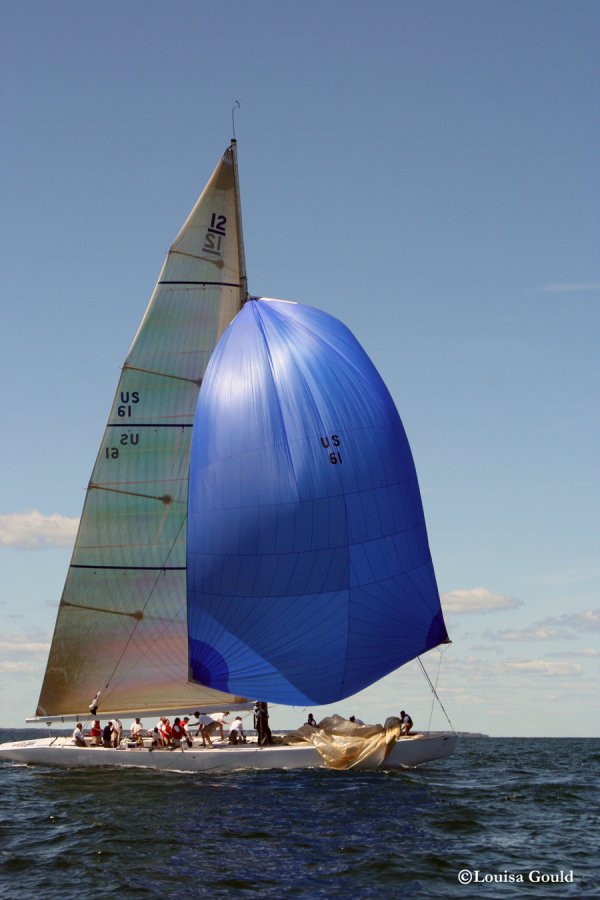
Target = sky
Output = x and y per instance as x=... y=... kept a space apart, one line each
x=427 y=172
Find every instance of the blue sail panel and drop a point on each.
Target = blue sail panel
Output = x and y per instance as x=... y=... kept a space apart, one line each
x=308 y=567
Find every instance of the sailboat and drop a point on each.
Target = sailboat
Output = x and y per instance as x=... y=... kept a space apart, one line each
x=252 y=529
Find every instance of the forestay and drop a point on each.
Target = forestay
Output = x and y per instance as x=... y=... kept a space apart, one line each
x=121 y=624
x=309 y=571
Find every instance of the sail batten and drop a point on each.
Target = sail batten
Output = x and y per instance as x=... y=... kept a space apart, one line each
x=98 y=609
x=121 y=624
x=161 y=374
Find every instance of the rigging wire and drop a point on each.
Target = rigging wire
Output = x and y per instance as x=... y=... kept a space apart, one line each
x=434 y=691
x=436 y=684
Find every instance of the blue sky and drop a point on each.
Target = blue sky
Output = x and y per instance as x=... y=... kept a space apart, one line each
x=427 y=172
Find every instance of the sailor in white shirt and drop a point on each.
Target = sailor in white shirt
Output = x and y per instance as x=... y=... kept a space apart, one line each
x=220 y=720
x=236 y=731
x=136 y=731
x=207 y=726
x=117 y=732
x=78 y=738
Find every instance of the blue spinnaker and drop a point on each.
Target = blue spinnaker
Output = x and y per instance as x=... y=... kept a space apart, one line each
x=308 y=566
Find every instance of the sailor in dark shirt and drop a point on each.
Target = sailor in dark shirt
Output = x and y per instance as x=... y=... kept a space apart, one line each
x=407 y=722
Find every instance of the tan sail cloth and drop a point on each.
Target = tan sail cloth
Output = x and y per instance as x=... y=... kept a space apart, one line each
x=345 y=745
x=122 y=620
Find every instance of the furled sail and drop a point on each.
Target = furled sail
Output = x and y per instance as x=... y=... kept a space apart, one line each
x=121 y=624
x=309 y=570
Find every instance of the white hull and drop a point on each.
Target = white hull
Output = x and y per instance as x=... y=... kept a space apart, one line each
x=407 y=752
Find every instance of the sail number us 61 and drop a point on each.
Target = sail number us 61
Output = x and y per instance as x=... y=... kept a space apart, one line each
x=126 y=439
x=124 y=410
x=127 y=399
x=329 y=441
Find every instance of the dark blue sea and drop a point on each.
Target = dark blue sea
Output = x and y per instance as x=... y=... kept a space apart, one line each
x=502 y=818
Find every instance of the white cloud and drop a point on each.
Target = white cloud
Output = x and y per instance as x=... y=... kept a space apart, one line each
x=463 y=697
x=535 y=633
x=24 y=652
x=555 y=628
x=21 y=647
x=543 y=667
x=470 y=665
x=569 y=287
x=589 y=620
x=477 y=600
x=487 y=649
x=33 y=531
x=12 y=666
x=588 y=652
x=18 y=645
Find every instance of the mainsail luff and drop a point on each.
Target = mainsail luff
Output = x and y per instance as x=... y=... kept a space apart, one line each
x=121 y=626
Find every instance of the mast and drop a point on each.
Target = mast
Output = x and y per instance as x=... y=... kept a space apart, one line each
x=238 y=211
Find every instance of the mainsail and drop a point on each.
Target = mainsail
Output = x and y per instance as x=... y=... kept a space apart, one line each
x=121 y=624
x=309 y=570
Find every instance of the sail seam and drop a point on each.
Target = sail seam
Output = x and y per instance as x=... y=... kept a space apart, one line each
x=209 y=283
x=129 y=569
x=131 y=424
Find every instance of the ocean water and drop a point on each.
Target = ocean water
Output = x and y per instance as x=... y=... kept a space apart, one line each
x=519 y=817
